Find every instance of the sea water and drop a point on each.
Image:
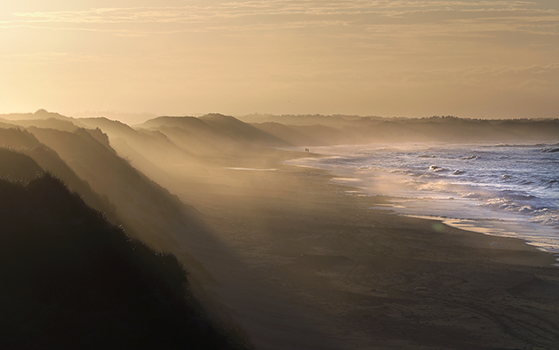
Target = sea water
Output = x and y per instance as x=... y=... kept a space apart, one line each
x=498 y=189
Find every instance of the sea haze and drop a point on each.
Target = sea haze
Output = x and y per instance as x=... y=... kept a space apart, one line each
x=498 y=189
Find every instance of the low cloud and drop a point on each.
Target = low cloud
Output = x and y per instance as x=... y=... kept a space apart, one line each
x=279 y=8
x=288 y=44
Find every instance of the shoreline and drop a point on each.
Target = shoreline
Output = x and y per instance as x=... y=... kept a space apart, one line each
x=304 y=265
x=449 y=205
x=451 y=223
x=461 y=224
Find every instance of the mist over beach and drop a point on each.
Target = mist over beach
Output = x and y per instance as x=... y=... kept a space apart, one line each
x=297 y=174
x=288 y=236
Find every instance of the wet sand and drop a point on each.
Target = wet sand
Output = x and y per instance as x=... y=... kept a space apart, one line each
x=300 y=263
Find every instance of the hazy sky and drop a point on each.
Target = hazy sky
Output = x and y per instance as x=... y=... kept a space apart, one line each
x=389 y=58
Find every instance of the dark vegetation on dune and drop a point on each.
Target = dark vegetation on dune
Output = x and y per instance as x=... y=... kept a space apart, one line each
x=72 y=280
x=48 y=160
x=85 y=161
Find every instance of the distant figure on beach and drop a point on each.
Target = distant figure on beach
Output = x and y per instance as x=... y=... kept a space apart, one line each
x=307 y=150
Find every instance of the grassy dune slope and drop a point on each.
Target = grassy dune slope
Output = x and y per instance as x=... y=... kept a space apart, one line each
x=72 y=280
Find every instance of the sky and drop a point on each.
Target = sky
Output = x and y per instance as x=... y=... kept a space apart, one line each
x=409 y=58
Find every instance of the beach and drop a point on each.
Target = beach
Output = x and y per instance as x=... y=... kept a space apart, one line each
x=300 y=262
x=279 y=175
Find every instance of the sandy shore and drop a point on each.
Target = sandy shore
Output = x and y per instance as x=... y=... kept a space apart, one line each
x=301 y=264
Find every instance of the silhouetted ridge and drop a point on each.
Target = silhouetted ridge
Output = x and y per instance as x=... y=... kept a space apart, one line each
x=71 y=280
x=241 y=131
x=183 y=122
x=51 y=123
x=331 y=130
x=48 y=160
x=108 y=126
x=213 y=129
x=143 y=147
x=17 y=167
x=17 y=138
x=39 y=114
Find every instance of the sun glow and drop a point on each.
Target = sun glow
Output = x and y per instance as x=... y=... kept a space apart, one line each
x=407 y=58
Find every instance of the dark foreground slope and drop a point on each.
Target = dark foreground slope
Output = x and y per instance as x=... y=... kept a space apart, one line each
x=149 y=211
x=71 y=280
x=145 y=210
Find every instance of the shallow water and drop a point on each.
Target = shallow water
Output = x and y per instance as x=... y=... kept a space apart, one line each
x=500 y=189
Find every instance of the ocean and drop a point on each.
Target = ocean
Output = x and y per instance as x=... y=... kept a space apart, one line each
x=497 y=189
